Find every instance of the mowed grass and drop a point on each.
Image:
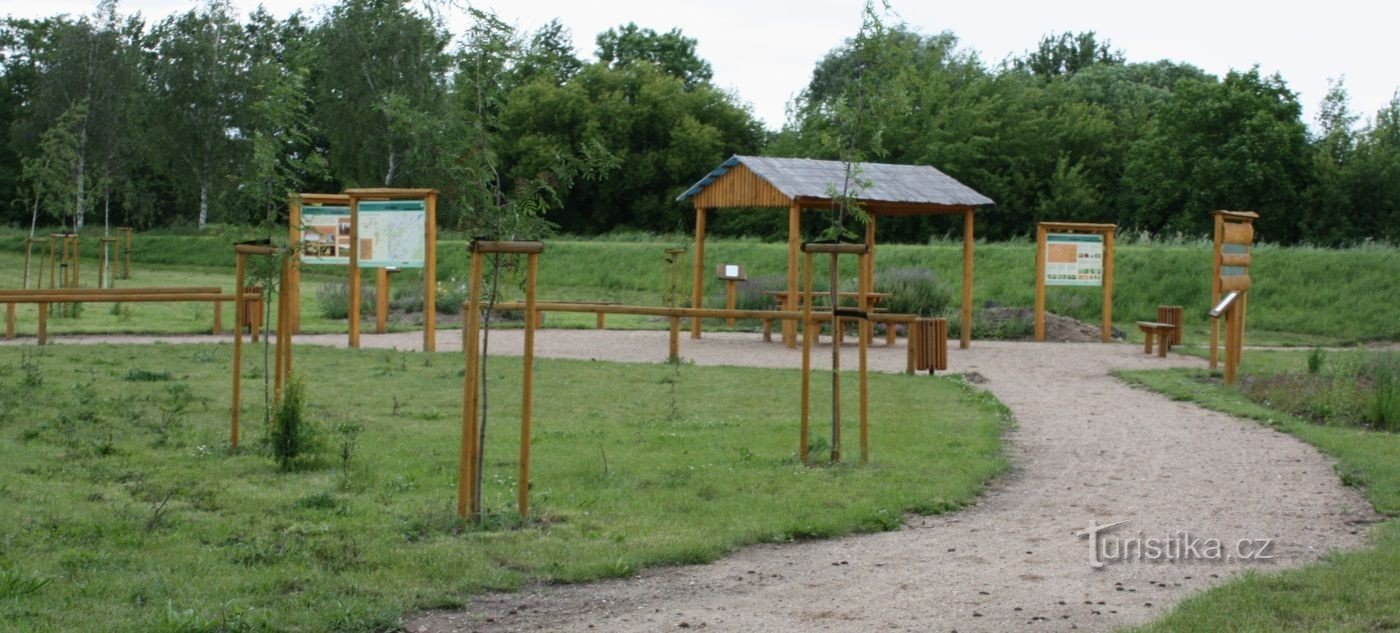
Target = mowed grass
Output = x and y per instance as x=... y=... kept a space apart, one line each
x=1352 y=591
x=153 y=317
x=123 y=509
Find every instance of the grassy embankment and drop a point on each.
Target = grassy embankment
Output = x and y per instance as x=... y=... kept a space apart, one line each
x=1352 y=591
x=1302 y=296
x=121 y=507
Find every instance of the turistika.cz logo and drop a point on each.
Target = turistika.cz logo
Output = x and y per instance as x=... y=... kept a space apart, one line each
x=1179 y=547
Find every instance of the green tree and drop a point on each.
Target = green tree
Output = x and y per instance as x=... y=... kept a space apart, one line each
x=195 y=84
x=672 y=52
x=1237 y=143
x=1065 y=54
x=369 y=55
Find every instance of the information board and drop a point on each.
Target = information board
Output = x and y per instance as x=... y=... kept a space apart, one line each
x=1073 y=259
x=392 y=233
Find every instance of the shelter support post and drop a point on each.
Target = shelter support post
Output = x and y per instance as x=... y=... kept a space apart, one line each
x=790 y=300
x=966 y=325
x=697 y=296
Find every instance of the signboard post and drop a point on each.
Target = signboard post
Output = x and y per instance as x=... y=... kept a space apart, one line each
x=392 y=228
x=1074 y=254
x=732 y=274
x=1234 y=239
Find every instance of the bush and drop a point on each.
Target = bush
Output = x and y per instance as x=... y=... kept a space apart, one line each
x=334 y=300
x=1383 y=411
x=914 y=291
x=293 y=437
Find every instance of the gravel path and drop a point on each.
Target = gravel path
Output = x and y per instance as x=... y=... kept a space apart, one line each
x=1087 y=449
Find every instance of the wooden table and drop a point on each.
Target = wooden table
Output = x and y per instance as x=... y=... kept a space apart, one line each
x=872 y=300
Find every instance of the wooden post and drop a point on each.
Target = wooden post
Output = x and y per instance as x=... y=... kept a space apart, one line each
x=381 y=301
x=864 y=336
x=730 y=295
x=790 y=301
x=43 y=323
x=1215 y=289
x=294 y=240
x=1108 y=286
x=966 y=336
x=697 y=299
x=9 y=320
x=835 y=282
x=238 y=297
x=430 y=274
x=802 y=442
x=527 y=382
x=467 y=465
x=1040 y=283
x=218 y=317
x=354 y=315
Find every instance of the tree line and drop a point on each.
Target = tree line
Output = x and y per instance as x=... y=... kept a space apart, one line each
x=208 y=117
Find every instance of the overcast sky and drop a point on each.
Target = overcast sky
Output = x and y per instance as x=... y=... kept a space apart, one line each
x=764 y=50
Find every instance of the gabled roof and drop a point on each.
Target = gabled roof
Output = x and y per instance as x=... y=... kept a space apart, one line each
x=807 y=180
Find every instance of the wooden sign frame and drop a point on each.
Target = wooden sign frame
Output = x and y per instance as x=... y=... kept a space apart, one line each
x=1042 y=230
x=1233 y=229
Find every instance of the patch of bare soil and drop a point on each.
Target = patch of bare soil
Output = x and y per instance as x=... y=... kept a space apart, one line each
x=1019 y=325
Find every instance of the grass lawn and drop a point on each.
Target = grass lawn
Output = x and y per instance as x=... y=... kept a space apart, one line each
x=1353 y=591
x=122 y=509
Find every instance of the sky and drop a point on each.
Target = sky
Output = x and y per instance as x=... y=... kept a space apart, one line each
x=763 y=51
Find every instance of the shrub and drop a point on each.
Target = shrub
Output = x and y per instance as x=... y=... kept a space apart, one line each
x=914 y=291
x=293 y=437
x=334 y=300
x=1383 y=411
x=1315 y=360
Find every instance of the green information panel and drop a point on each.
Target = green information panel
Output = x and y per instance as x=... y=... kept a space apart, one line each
x=1073 y=259
x=391 y=233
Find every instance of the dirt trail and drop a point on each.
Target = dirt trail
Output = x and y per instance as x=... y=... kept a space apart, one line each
x=1087 y=449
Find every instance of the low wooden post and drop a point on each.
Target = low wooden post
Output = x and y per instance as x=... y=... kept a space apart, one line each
x=43 y=323
x=9 y=320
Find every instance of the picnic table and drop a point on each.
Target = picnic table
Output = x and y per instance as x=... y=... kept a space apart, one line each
x=872 y=300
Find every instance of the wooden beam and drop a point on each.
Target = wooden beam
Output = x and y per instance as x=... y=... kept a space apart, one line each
x=790 y=302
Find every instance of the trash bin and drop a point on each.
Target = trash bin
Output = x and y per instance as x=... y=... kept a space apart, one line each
x=928 y=344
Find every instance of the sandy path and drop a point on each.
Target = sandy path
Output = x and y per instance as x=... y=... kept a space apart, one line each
x=1088 y=448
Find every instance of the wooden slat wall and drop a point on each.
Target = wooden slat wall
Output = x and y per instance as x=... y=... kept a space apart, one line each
x=740 y=187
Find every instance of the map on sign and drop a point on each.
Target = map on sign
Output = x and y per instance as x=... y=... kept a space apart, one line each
x=391 y=234
x=1073 y=259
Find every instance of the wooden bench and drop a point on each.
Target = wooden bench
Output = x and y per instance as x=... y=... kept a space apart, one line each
x=1162 y=331
x=42 y=297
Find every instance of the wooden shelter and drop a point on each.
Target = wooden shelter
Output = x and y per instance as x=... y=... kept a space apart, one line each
x=801 y=183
